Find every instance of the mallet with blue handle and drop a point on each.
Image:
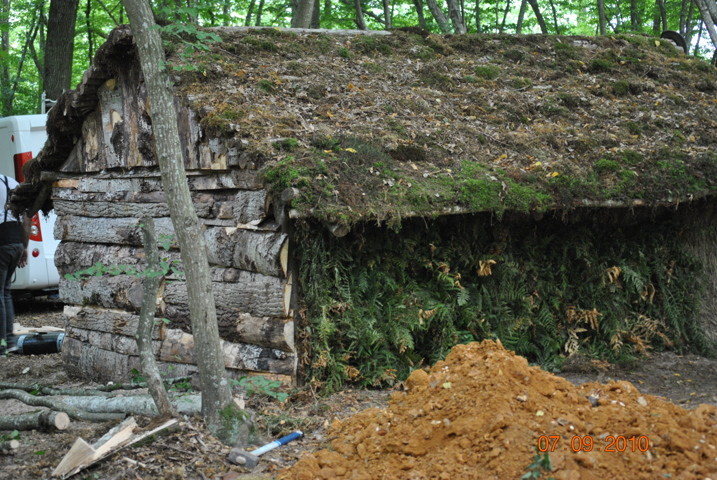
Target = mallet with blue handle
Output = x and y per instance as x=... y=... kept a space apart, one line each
x=251 y=459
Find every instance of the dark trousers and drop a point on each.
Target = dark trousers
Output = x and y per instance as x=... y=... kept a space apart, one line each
x=9 y=258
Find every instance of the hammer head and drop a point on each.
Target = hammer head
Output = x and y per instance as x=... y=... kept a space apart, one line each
x=243 y=458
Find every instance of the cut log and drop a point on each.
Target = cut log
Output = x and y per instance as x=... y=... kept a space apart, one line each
x=44 y=420
x=109 y=341
x=93 y=363
x=135 y=404
x=56 y=404
x=9 y=446
x=123 y=209
x=117 y=322
x=120 y=231
x=178 y=346
x=247 y=250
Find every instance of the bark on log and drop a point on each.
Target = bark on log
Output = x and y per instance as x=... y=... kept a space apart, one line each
x=116 y=322
x=9 y=446
x=108 y=341
x=44 y=420
x=265 y=253
x=122 y=209
x=59 y=405
x=135 y=404
x=178 y=346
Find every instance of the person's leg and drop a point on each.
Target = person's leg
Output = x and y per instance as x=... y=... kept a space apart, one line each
x=9 y=258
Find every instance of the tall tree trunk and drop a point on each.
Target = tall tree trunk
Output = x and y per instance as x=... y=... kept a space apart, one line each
x=635 y=20
x=555 y=17
x=456 y=16
x=387 y=22
x=539 y=16
x=440 y=17
x=419 y=11
x=360 y=21
x=88 y=26
x=479 y=29
x=602 y=19
x=660 y=17
x=220 y=413
x=708 y=11
x=249 y=12
x=60 y=45
x=5 y=93
x=521 y=17
x=316 y=15
x=302 y=13
x=501 y=28
x=259 y=13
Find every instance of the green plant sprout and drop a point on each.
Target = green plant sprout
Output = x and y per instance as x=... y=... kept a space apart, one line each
x=541 y=465
x=260 y=385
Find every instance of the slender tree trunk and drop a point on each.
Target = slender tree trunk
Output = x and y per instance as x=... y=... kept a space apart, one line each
x=387 y=15
x=220 y=413
x=440 y=17
x=302 y=13
x=88 y=25
x=634 y=16
x=660 y=17
x=538 y=16
x=521 y=17
x=708 y=11
x=316 y=15
x=555 y=17
x=602 y=19
x=419 y=11
x=501 y=28
x=60 y=45
x=5 y=93
x=259 y=13
x=249 y=11
x=479 y=28
x=360 y=21
x=146 y=323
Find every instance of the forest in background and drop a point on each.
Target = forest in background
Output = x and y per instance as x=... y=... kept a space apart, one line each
x=48 y=44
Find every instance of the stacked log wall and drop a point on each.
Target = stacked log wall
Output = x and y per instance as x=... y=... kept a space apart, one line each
x=110 y=181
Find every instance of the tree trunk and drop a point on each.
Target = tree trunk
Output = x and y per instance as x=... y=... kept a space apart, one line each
x=539 y=16
x=61 y=406
x=5 y=93
x=259 y=13
x=456 y=16
x=521 y=17
x=479 y=29
x=440 y=17
x=360 y=21
x=219 y=411
x=60 y=45
x=387 y=20
x=555 y=17
x=44 y=420
x=708 y=10
x=145 y=326
x=302 y=13
x=419 y=11
x=134 y=404
x=601 y=17
x=501 y=28
x=635 y=20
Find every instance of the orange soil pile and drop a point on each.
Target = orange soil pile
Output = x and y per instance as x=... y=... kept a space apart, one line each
x=481 y=413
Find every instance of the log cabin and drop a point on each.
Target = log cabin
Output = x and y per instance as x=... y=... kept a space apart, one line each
x=359 y=138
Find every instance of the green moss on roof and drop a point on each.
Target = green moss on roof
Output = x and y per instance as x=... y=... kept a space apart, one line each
x=387 y=126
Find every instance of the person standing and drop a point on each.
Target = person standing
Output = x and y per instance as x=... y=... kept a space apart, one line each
x=14 y=237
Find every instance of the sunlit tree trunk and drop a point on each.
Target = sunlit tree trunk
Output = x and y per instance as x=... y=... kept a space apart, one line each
x=456 y=16
x=602 y=19
x=708 y=11
x=60 y=45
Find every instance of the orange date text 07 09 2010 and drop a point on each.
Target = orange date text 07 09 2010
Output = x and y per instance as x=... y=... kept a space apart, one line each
x=611 y=443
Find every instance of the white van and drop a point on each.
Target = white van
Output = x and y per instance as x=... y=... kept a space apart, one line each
x=21 y=138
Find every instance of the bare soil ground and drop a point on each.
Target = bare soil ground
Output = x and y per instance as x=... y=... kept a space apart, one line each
x=192 y=453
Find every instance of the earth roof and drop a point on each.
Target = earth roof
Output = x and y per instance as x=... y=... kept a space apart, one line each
x=385 y=125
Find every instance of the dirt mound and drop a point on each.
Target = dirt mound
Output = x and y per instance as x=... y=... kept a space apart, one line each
x=483 y=411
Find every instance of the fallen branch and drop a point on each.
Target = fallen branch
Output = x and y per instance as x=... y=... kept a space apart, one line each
x=100 y=391
x=82 y=454
x=59 y=405
x=44 y=420
x=134 y=404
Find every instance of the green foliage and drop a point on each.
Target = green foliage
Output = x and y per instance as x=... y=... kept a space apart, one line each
x=487 y=72
x=260 y=385
x=381 y=303
x=186 y=39
x=137 y=377
x=606 y=165
x=540 y=466
x=6 y=437
x=600 y=65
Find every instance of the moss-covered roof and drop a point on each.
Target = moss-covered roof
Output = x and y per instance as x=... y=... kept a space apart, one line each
x=385 y=126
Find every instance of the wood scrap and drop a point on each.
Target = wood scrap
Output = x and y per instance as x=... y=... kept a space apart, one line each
x=83 y=455
x=44 y=420
x=8 y=446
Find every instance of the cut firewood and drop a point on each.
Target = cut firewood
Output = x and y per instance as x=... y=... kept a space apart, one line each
x=9 y=445
x=134 y=404
x=58 y=405
x=45 y=420
x=82 y=454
